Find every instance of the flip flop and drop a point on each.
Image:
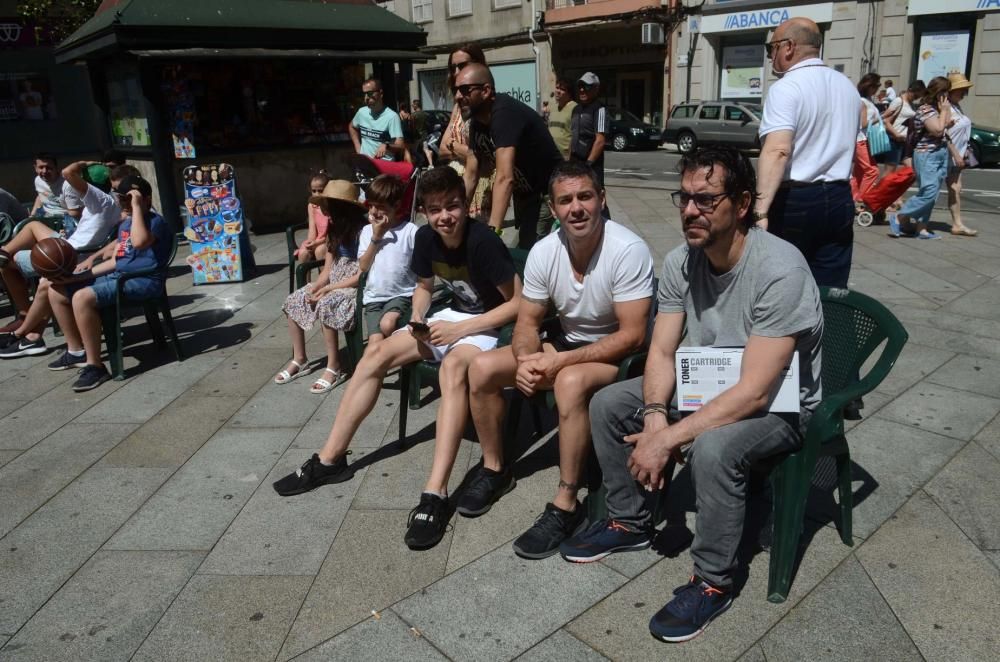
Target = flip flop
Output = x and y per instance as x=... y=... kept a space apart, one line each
x=300 y=369
x=321 y=386
x=964 y=232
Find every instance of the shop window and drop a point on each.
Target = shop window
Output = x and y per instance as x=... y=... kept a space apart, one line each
x=459 y=8
x=126 y=107
x=238 y=104
x=26 y=96
x=709 y=113
x=734 y=114
x=423 y=11
x=506 y=4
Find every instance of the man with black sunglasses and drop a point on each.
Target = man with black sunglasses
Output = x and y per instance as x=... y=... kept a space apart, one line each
x=589 y=125
x=376 y=130
x=730 y=285
x=512 y=135
x=808 y=131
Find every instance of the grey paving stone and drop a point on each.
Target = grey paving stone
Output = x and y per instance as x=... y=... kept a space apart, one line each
x=379 y=426
x=967 y=373
x=946 y=411
x=755 y=654
x=967 y=491
x=43 y=416
x=226 y=618
x=8 y=405
x=940 y=586
x=194 y=508
x=844 y=602
x=106 y=610
x=368 y=568
x=931 y=335
x=909 y=275
x=867 y=281
x=618 y=626
x=243 y=373
x=275 y=405
x=7 y=456
x=561 y=647
x=982 y=302
x=276 y=535
x=51 y=544
x=527 y=600
x=396 y=476
x=375 y=640
x=951 y=321
x=892 y=461
x=914 y=363
x=40 y=472
x=989 y=437
x=173 y=435
x=30 y=384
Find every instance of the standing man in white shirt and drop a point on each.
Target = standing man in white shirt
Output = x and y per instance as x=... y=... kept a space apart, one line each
x=808 y=130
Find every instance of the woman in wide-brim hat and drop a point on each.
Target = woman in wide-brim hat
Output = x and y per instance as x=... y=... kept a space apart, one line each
x=959 y=135
x=332 y=297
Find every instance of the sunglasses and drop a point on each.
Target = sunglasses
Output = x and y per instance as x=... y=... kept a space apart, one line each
x=770 y=46
x=370 y=93
x=467 y=89
x=705 y=202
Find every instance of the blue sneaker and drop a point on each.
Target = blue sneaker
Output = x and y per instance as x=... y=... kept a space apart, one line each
x=689 y=613
x=603 y=538
x=894 y=230
x=928 y=235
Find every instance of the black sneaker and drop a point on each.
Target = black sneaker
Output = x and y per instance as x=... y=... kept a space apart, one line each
x=91 y=376
x=427 y=523
x=312 y=474
x=18 y=347
x=689 y=613
x=67 y=361
x=601 y=539
x=485 y=488
x=552 y=527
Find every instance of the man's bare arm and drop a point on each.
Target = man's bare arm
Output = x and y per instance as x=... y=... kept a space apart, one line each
x=471 y=175
x=530 y=315
x=355 y=137
x=503 y=186
x=771 y=168
x=612 y=348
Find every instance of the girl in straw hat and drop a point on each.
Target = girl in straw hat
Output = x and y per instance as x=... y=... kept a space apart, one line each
x=332 y=298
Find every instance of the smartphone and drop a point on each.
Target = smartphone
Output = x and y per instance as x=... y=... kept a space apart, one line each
x=420 y=327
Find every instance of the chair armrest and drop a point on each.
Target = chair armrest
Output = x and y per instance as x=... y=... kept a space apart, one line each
x=290 y=237
x=302 y=268
x=625 y=367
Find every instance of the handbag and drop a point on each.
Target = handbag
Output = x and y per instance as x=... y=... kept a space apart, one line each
x=878 y=139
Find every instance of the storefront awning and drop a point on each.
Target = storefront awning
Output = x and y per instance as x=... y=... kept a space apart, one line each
x=277 y=53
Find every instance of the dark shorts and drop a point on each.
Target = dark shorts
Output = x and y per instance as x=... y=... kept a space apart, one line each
x=375 y=311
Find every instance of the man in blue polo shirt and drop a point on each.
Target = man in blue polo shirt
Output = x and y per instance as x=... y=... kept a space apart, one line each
x=376 y=130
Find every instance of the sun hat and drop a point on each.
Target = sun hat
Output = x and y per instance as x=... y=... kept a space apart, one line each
x=958 y=81
x=337 y=191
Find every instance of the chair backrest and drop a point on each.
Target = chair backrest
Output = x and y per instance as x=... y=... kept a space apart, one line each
x=854 y=325
x=520 y=257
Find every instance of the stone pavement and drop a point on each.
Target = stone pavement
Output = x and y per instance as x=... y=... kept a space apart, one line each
x=138 y=520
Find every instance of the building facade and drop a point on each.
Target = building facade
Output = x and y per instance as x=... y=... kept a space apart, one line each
x=718 y=52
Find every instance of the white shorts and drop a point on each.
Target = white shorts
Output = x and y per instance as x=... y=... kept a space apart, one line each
x=485 y=340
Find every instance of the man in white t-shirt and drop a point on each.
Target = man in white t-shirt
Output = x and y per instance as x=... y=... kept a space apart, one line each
x=598 y=276
x=101 y=213
x=808 y=129
x=49 y=200
x=376 y=130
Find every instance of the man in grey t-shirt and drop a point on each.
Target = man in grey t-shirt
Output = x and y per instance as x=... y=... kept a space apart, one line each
x=732 y=286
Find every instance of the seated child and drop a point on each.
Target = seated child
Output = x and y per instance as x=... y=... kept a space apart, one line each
x=332 y=298
x=384 y=252
x=144 y=241
x=313 y=247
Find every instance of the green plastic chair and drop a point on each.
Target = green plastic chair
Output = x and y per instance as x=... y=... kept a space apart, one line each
x=111 y=316
x=854 y=327
x=414 y=376
x=297 y=272
x=6 y=227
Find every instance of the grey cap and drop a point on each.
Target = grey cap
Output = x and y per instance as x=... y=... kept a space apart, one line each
x=589 y=78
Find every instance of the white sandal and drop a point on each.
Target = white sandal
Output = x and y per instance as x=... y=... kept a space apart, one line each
x=300 y=369
x=321 y=386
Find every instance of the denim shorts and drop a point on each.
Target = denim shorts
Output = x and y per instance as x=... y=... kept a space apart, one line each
x=105 y=287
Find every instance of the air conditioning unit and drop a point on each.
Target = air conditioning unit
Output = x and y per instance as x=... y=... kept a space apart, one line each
x=652 y=34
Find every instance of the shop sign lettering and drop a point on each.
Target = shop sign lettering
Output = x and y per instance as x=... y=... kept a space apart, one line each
x=988 y=4
x=766 y=19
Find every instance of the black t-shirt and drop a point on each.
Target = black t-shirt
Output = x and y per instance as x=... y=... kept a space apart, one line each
x=472 y=271
x=587 y=122
x=513 y=124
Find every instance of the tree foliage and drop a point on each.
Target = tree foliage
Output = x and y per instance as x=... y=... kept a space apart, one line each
x=54 y=20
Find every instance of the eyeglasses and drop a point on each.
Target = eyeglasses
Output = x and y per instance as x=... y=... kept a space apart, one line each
x=705 y=202
x=770 y=47
x=466 y=90
x=370 y=93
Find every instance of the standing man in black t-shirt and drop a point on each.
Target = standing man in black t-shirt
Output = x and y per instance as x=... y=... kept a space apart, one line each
x=476 y=266
x=589 y=125
x=505 y=131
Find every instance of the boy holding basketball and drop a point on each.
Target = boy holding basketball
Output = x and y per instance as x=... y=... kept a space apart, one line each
x=144 y=240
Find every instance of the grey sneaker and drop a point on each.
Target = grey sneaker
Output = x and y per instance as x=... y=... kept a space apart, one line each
x=67 y=361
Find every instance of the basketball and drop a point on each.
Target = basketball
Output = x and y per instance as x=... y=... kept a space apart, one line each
x=53 y=258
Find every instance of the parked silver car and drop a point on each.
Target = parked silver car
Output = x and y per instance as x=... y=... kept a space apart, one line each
x=731 y=123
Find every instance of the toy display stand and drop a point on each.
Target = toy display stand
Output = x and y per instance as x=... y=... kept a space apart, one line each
x=214 y=224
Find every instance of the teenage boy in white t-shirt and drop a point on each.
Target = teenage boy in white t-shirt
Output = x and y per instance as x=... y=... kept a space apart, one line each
x=385 y=249
x=598 y=275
